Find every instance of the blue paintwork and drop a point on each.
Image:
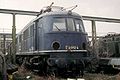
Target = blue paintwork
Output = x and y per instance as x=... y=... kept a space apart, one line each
x=43 y=36
x=38 y=37
x=64 y=38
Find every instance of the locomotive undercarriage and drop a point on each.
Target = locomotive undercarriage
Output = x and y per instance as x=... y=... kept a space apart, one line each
x=44 y=65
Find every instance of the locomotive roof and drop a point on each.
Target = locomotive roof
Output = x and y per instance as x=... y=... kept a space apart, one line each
x=52 y=13
x=58 y=13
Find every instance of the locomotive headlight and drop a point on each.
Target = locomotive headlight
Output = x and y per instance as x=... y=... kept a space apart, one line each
x=56 y=45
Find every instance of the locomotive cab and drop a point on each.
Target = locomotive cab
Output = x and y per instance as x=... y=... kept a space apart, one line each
x=61 y=31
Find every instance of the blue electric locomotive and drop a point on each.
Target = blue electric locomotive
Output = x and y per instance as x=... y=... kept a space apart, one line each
x=54 y=43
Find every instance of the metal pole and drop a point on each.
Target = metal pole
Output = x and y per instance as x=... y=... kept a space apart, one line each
x=3 y=65
x=4 y=40
x=93 y=36
x=13 y=40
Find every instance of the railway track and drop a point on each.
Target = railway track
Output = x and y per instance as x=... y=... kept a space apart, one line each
x=25 y=74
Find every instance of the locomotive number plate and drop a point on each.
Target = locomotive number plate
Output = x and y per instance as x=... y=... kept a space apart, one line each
x=71 y=47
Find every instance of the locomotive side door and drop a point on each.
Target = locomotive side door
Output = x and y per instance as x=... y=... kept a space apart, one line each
x=38 y=34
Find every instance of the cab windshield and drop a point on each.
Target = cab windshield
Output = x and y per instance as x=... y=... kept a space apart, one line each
x=68 y=24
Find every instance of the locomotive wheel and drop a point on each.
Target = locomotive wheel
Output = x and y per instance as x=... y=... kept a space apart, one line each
x=92 y=65
x=89 y=67
x=52 y=71
x=20 y=60
x=38 y=65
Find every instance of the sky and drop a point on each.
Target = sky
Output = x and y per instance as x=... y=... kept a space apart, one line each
x=97 y=8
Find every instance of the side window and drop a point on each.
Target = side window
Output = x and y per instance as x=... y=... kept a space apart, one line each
x=20 y=38
x=39 y=26
x=26 y=34
x=40 y=23
x=79 y=25
x=31 y=30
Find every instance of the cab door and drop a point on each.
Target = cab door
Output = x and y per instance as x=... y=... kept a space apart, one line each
x=39 y=34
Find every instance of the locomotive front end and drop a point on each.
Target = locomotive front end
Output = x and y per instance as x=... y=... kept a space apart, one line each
x=54 y=43
x=66 y=42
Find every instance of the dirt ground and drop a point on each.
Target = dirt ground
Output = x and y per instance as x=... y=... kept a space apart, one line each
x=24 y=74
